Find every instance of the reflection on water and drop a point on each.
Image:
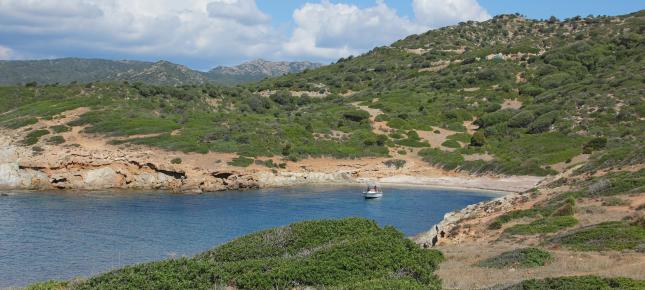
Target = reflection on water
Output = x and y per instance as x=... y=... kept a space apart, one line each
x=63 y=235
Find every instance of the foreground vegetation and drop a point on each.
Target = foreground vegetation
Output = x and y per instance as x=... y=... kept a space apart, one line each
x=350 y=253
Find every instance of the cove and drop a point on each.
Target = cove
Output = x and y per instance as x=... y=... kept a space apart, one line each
x=61 y=235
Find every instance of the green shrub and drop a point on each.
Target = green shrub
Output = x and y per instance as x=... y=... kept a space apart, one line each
x=616 y=183
x=48 y=285
x=579 y=283
x=478 y=139
x=461 y=137
x=511 y=215
x=616 y=235
x=451 y=144
x=56 y=140
x=542 y=226
x=594 y=145
x=525 y=258
x=396 y=163
x=19 y=122
x=33 y=136
x=324 y=254
x=521 y=119
x=176 y=160
x=60 y=128
x=447 y=160
x=241 y=161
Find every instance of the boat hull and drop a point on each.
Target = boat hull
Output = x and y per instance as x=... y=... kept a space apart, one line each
x=371 y=195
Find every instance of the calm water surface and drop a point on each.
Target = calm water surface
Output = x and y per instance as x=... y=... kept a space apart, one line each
x=63 y=235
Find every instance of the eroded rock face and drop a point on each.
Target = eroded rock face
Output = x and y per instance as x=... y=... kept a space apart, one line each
x=268 y=179
x=100 y=171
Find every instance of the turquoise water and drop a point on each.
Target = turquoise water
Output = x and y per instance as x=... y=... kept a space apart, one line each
x=63 y=235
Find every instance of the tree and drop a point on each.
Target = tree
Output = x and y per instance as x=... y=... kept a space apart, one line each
x=478 y=139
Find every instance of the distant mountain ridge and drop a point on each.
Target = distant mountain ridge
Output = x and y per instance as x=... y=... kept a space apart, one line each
x=67 y=70
x=265 y=67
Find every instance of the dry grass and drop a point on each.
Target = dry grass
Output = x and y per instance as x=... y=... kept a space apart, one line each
x=461 y=259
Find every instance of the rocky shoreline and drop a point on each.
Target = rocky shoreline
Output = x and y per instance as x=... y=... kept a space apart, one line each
x=65 y=168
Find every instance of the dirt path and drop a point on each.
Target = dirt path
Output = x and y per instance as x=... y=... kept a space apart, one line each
x=378 y=127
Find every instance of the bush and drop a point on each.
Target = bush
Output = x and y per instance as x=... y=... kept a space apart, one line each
x=325 y=254
x=176 y=160
x=478 y=139
x=579 y=283
x=543 y=123
x=241 y=161
x=447 y=160
x=356 y=115
x=56 y=140
x=396 y=163
x=594 y=145
x=525 y=258
x=616 y=235
x=521 y=119
x=451 y=144
x=48 y=285
x=617 y=183
x=60 y=128
x=511 y=215
x=33 y=136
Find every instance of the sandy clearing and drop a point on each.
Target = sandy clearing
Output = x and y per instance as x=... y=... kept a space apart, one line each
x=436 y=139
x=511 y=104
x=563 y=166
x=510 y=183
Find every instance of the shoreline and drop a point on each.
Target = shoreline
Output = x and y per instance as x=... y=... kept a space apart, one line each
x=317 y=184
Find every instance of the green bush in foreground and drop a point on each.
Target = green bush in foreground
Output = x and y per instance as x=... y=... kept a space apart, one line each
x=615 y=235
x=351 y=253
x=543 y=226
x=526 y=258
x=579 y=283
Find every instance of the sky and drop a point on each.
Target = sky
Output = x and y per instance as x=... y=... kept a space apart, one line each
x=205 y=33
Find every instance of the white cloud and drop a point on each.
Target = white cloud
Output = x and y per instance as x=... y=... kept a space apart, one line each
x=166 y=28
x=211 y=31
x=438 y=13
x=331 y=30
x=5 y=53
x=244 y=11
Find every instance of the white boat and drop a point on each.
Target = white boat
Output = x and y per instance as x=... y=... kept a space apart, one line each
x=373 y=191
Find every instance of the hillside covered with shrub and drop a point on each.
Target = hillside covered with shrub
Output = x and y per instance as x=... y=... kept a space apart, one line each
x=526 y=94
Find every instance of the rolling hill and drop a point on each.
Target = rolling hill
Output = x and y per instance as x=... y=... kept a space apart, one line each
x=68 y=70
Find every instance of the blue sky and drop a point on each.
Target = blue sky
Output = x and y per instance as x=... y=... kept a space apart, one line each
x=206 y=33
